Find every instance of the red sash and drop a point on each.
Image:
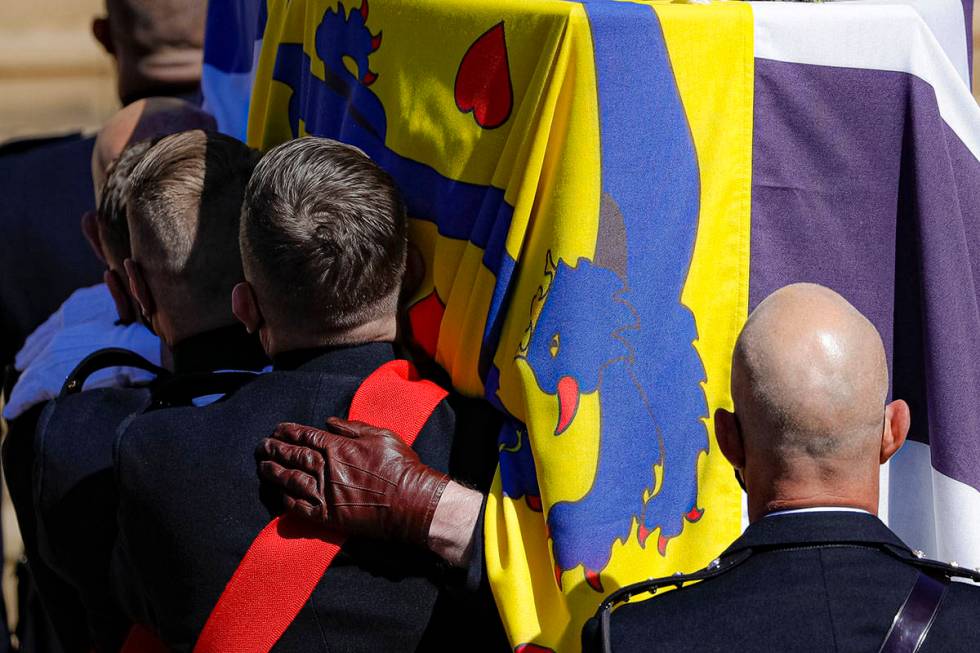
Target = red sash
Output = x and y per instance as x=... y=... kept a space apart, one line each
x=287 y=559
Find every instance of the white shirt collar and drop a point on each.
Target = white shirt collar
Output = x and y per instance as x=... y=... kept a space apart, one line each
x=796 y=511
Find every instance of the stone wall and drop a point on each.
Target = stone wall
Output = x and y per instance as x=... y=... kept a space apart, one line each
x=54 y=76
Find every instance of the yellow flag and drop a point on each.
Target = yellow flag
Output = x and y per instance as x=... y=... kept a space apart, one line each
x=577 y=177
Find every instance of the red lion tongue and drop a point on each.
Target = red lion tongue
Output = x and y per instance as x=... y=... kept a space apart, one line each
x=567 y=403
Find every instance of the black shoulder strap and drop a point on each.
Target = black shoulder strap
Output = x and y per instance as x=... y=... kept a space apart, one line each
x=913 y=620
x=102 y=359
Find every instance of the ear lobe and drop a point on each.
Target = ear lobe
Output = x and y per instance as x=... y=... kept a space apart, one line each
x=139 y=288
x=90 y=229
x=898 y=419
x=245 y=306
x=729 y=438
x=102 y=33
x=121 y=297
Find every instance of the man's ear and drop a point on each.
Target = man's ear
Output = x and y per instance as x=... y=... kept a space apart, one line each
x=245 y=306
x=120 y=295
x=139 y=288
x=897 y=421
x=90 y=229
x=103 y=34
x=414 y=274
x=729 y=438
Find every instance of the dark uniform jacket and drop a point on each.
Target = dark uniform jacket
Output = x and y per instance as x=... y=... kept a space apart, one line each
x=190 y=507
x=71 y=530
x=46 y=185
x=819 y=581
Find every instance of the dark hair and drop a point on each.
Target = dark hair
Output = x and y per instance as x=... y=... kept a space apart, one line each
x=323 y=234
x=158 y=117
x=111 y=213
x=184 y=204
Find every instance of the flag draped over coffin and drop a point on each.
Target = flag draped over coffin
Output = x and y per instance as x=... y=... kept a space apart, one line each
x=584 y=217
x=580 y=179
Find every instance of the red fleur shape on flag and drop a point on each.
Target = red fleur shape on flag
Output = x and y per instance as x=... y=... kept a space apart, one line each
x=483 y=83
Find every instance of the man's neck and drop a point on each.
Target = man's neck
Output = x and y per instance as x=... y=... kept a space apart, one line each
x=280 y=341
x=781 y=496
x=174 y=326
x=229 y=347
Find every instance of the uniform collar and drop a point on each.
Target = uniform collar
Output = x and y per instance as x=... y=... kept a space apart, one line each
x=352 y=359
x=815 y=528
x=800 y=511
x=226 y=348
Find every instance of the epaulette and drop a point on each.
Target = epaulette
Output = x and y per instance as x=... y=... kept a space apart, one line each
x=949 y=570
x=105 y=358
x=182 y=389
x=595 y=634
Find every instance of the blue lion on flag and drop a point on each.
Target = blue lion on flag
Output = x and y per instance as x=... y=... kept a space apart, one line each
x=615 y=324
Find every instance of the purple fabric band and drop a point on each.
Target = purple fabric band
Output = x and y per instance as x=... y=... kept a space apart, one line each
x=859 y=185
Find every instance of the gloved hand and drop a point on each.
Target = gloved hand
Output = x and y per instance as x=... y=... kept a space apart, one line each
x=354 y=478
x=43 y=378
x=92 y=304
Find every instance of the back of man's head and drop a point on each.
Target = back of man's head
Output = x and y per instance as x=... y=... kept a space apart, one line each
x=183 y=208
x=324 y=239
x=810 y=371
x=113 y=229
x=118 y=146
x=143 y=119
x=809 y=383
x=158 y=45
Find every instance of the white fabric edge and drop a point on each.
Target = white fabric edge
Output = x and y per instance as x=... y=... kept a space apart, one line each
x=910 y=499
x=957 y=507
x=947 y=23
x=931 y=511
x=872 y=37
x=884 y=475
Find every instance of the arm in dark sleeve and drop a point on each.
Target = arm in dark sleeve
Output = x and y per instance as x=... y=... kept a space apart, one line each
x=58 y=599
x=466 y=596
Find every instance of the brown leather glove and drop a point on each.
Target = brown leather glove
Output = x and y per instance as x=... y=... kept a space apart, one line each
x=354 y=478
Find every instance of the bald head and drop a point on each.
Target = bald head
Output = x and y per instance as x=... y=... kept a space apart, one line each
x=158 y=45
x=809 y=384
x=144 y=119
x=810 y=373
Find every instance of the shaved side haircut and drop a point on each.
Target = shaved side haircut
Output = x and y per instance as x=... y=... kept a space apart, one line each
x=140 y=124
x=111 y=213
x=324 y=235
x=144 y=119
x=183 y=208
